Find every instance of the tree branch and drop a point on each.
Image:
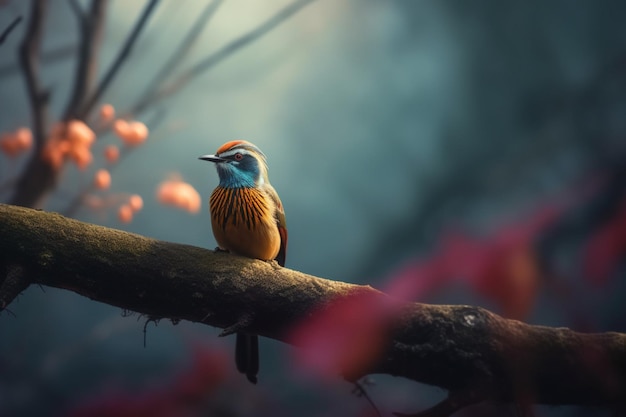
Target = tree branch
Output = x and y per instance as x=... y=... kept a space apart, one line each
x=38 y=177
x=183 y=48
x=91 y=25
x=119 y=60
x=462 y=349
x=210 y=61
x=29 y=60
x=5 y=33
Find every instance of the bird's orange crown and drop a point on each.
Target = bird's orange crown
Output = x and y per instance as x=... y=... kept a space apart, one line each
x=229 y=145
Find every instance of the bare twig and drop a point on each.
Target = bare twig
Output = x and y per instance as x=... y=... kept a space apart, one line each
x=119 y=60
x=218 y=56
x=183 y=48
x=5 y=33
x=29 y=59
x=91 y=25
x=38 y=177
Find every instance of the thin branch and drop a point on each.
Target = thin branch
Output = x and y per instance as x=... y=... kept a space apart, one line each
x=91 y=26
x=183 y=48
x=474 y=354
x=38 y=177
x=29 y=59
x=5 y=33
x=220 y=55
x=119 y=60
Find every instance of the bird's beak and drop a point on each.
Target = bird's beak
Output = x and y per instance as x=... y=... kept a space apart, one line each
x=212 y=158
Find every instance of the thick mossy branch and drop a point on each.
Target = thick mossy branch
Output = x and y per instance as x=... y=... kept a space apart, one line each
x=458 y=348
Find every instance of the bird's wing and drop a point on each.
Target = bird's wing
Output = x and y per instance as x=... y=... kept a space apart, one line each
x=281 y=222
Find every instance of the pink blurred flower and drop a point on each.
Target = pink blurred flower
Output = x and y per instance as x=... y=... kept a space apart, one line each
x=606 y=248
x=14 y=143
x=502 y=267
x=71 y=140
x=346 y=336
x=107 y=113
x=125 y=213
x=102 y=179
x=135 y=202
x=186 y=393
x=111 y=154
x=132 y=133
x=178 y=193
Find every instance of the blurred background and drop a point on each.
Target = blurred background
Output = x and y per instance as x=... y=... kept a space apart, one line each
x=443 y=151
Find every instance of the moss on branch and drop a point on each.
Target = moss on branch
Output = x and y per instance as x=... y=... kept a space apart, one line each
x=473 y=353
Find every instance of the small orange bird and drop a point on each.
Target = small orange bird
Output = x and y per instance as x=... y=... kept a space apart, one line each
x=248 y=219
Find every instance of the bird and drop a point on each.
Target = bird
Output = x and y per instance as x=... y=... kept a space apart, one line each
x=247 y=219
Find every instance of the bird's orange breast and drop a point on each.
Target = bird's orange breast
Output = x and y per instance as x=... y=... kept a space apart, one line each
x=243 y=222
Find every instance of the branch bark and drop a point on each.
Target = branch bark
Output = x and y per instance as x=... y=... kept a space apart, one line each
x=471 y=352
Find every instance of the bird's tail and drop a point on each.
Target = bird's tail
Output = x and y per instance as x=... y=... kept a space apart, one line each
x=247 y=355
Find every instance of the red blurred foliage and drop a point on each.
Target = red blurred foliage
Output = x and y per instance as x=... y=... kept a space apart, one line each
x=502 y=267
x=345 y=337
x=186 y=394
x=606 y=248
x=350 y=332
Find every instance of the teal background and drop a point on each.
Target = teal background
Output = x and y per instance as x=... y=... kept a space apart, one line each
x=384 y=123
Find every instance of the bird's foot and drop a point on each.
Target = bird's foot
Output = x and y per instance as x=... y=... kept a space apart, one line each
x=274 y=263
x=218 y=250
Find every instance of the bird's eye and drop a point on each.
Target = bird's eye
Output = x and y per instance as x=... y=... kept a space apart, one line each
x=238 y=157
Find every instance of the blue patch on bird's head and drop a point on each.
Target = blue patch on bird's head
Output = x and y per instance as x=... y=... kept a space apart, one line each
x=235 y=174
x=243 y=165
